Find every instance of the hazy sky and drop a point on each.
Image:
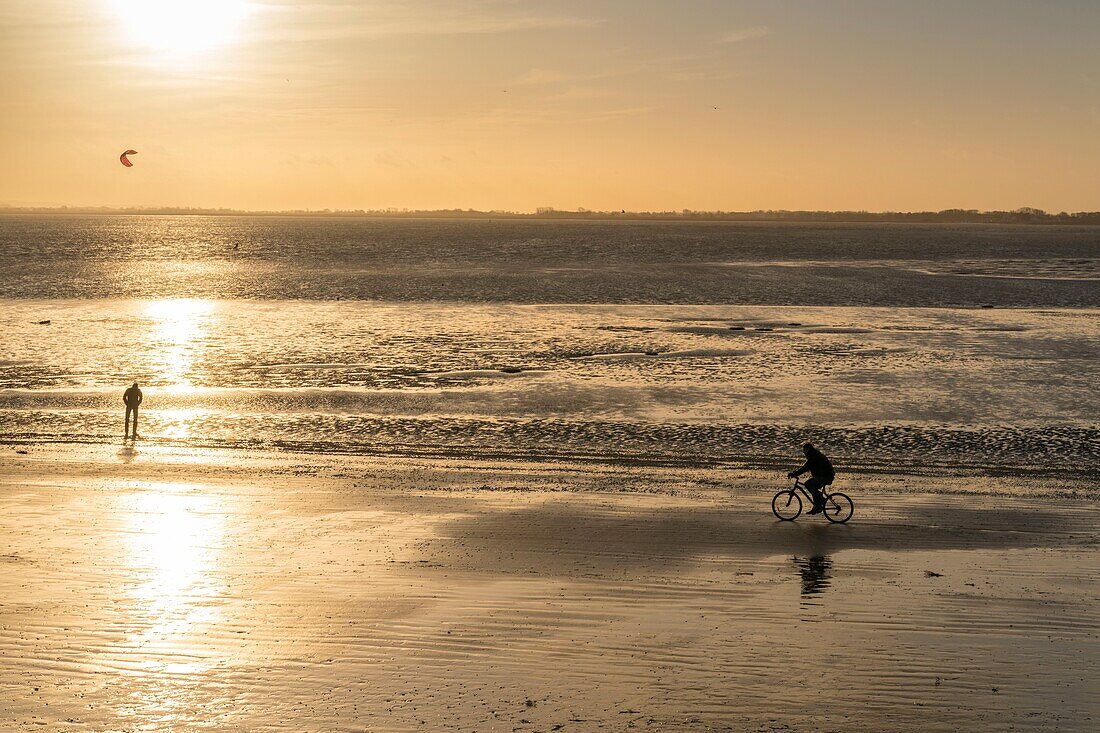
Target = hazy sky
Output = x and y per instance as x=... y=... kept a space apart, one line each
x=514 y=104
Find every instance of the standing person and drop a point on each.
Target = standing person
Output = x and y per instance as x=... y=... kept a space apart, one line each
x=821 y=472
x=131 y=398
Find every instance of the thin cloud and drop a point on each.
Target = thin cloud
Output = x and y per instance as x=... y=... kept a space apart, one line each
x=701 y=75
x=324 y=21
x=745 y=34
x=539 y=77
x=578 y=93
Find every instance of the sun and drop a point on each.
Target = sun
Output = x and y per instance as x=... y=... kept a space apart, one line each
x=180 y=26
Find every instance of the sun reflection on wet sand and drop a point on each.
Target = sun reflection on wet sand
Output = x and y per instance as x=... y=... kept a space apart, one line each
x=180 y=323
x=173 y=544
x=176 y=424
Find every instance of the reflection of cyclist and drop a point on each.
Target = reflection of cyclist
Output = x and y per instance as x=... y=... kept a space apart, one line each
x=822 y=475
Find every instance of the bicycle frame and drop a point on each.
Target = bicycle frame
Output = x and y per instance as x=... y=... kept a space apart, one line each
x=801 y=487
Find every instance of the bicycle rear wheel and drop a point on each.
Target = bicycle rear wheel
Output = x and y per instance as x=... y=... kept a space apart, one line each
x=787 y=505
x=838 y=508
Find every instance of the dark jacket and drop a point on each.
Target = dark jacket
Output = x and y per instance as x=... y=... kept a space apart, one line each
x=818 y=466
x=132 y=397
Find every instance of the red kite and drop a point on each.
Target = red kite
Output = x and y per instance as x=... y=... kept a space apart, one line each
x=126 y=161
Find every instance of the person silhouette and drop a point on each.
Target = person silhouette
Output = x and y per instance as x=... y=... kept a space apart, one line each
x=821 y=472
x=131 y=398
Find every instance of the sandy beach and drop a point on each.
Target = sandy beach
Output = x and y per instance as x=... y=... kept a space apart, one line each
x=173 y=589
x=380 y=367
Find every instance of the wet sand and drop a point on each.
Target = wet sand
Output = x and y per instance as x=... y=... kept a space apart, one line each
x=172 y=589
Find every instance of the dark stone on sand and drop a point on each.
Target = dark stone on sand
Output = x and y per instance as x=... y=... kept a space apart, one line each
x=44 y=323
x=511 y=370
x=737 y=328
x=932 y=574
x=986 y=305
x=764 y=328
x=652 y=353
x=794 y=323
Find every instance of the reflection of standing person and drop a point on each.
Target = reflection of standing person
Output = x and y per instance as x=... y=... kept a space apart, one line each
x=132 y=398
x=821 y=471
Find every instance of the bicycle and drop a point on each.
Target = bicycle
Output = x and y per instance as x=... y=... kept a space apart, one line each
x=787 y=504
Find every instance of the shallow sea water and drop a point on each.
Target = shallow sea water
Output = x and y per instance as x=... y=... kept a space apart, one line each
x=639 y=341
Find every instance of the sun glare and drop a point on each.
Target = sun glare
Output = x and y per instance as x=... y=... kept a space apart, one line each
x=180 y=325
x=180 y=26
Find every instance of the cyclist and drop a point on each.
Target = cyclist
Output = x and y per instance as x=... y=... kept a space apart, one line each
x=821 y=472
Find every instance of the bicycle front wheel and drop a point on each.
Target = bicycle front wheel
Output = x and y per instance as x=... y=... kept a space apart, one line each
x=787 y=505
x=838 y=508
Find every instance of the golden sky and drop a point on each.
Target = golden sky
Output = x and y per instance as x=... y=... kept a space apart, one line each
x=515 y=104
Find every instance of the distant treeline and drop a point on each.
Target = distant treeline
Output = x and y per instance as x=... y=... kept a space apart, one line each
x=947 y=216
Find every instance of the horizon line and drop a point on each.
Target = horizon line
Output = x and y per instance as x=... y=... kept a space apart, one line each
x=1023 y=215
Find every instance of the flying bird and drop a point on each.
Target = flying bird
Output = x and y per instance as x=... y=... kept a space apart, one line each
x=126 y=161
